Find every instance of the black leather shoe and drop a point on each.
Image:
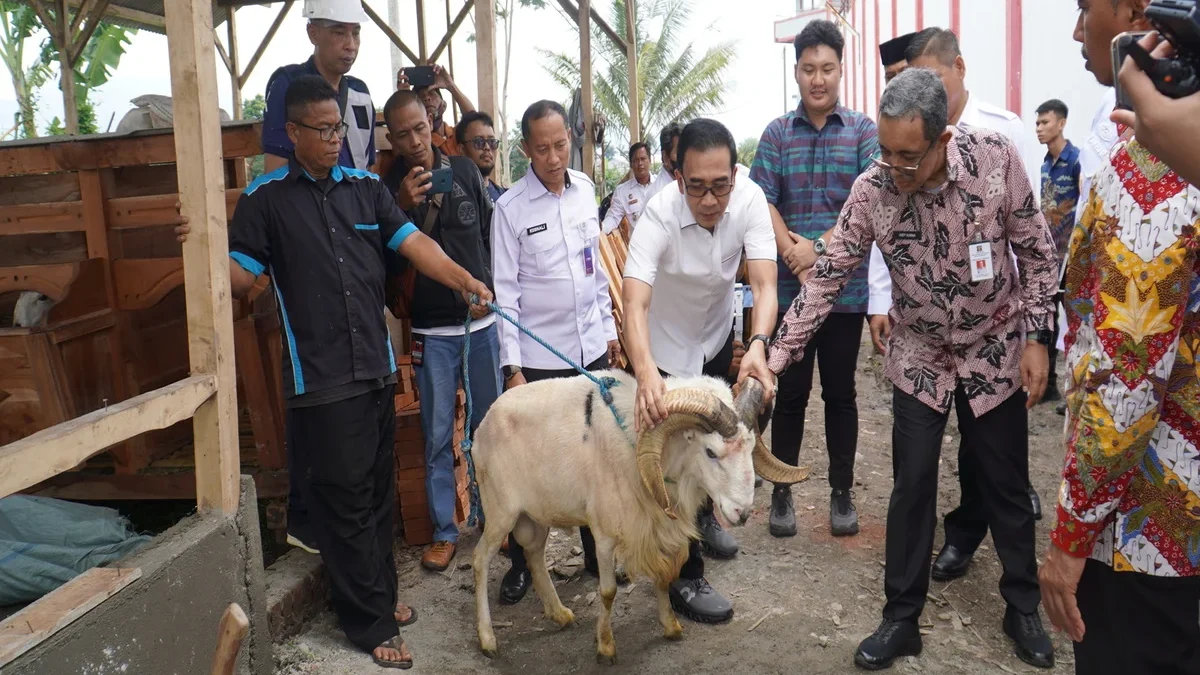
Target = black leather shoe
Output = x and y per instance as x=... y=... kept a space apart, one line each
x=1037 y=503
x=891 y=640
x=514 y=586
x=1031 y=644
x=951 y=563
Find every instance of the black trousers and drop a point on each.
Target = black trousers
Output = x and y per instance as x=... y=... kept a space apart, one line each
x=834 y=350
x=515 y=552
x=350 y=487
x=1137 y=624
x=997 y=439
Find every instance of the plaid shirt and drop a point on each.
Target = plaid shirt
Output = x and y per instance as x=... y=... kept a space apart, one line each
x=807 y=175
x=1060 y=193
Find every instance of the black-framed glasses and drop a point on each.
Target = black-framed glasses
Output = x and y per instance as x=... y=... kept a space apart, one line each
x=327 y=133
x=479 y=143
x=909 y=171
x=699 y=191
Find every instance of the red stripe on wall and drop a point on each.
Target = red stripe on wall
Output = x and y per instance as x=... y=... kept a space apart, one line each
x=878 y=62
x=1013 y=34
x=920 y=14
x=861 y=20
x=956 y=17
x=895 y=18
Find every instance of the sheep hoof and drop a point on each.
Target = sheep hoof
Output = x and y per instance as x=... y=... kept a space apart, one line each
x=487 y=645
x=673 y=633
x=607 y=659
x=490 y=653
x=564 y=617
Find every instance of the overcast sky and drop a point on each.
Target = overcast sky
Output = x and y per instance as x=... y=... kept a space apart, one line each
x=757 y=77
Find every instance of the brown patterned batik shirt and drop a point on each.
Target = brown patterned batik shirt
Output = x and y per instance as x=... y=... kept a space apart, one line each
x=947 y=329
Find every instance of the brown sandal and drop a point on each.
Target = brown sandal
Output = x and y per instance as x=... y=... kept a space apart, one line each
x=412 y=617
x=396 y=643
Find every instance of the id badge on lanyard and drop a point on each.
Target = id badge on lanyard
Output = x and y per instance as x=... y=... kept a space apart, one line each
x=981 y=257
x=589 y=256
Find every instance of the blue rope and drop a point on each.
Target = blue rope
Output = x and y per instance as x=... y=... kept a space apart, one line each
x=604 y=383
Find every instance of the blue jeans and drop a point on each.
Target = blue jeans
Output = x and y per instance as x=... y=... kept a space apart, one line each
x=438 y=378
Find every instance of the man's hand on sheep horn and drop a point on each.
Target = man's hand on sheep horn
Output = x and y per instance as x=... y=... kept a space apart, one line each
x=754 y=364
x=651 y=403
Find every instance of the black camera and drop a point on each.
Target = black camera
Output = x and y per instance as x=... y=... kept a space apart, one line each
x=1178 y=21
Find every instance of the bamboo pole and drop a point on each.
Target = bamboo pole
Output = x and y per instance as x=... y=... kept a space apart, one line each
x=585 y=74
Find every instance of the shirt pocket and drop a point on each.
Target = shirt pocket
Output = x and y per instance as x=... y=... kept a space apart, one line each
x=536 y=251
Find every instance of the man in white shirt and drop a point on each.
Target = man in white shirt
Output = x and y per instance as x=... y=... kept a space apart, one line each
x=547 y=275
x=630 y=197
x=938 y=50
x=679 y=303
x=668 y=139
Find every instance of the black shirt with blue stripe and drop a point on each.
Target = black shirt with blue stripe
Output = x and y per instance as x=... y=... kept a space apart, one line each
x=324 y=243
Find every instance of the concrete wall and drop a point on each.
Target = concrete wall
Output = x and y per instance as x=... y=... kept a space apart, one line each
x=166 y=622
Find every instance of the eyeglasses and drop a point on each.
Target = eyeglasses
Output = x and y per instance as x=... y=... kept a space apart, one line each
x=699 y=191
x=327 y=133
x=479 y=143
x=909 y=171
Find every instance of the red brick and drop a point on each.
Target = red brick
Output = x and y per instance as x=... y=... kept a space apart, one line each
x=410 y=485
x=409 y=461
x=418 y=534
x=410 y=474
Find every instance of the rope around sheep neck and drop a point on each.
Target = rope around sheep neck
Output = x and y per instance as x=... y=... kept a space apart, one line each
x=604 y=383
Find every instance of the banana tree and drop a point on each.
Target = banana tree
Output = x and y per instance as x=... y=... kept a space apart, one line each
x=18 y=24
x=96 y=64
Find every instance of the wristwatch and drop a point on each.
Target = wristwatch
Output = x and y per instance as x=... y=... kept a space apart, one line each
x=819 y=246
x=1043 y=337
x=511 y=371
x=759 y=338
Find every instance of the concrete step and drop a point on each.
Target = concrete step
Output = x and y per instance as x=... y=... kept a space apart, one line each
x=297 y=590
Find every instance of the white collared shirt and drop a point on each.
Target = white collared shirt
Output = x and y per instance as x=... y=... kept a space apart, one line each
x=1093 y=154
x=976 y=113
x=540 y=273
x=628 y=201
x=662 y=180
x=693 y=271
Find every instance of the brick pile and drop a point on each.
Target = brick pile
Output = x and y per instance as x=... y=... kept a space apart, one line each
x=412 y=500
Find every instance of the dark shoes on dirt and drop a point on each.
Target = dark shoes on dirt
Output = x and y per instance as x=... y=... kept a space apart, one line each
x=1037 y=503
x=696 y=600
x=782 y=522
x=951 y=563
x=514 y=585
x=890 y=641
x=1031 y=644
x=843 y=517
x=716 y=541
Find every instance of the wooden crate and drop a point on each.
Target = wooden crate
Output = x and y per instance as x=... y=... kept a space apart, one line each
x=88 y=221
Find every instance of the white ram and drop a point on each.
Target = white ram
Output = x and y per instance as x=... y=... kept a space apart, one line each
x=551 y=454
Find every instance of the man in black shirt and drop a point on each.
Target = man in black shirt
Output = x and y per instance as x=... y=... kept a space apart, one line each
x=459 y=221
x=322 y=232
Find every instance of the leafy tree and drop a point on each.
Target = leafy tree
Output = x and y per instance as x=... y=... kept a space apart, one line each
x=746 y=151
x=254 y=109
x=674 y=81
x=18 y=24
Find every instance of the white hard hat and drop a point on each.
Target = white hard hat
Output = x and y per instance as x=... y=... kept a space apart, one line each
x=341 y=11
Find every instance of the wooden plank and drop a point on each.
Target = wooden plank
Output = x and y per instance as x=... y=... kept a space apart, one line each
x=585 y=76
x=105 y=151
x=91 y=194
x=50 y=280
x=142 y=283
x=485 y=57
x=56 y=610
x=136 y=16
x=206 y=252
x=66 y=72
x=420 y=30
x=78 y=42
x=62 y=447
x=441 y=46
x=573 y=11
x=79 y=486
x=124 y=213
x=38 y=189
x=391 y=34
x=262 y=46
x=41 y=218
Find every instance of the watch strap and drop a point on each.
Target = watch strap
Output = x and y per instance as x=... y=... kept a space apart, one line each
x=759 y=338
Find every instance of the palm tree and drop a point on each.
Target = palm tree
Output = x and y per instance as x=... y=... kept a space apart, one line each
x=674 y=82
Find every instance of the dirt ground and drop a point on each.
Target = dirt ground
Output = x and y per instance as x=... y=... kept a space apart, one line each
x=802 y=604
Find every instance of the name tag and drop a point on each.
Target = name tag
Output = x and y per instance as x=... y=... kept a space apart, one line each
x=589 y=263
x=981 y=261
x=536 y=228
x=906 y=235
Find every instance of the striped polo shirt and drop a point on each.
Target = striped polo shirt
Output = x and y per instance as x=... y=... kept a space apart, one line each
x=807 y=174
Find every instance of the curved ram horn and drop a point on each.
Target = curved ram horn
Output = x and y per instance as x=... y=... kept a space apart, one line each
x=686 y=408
x=749 y=407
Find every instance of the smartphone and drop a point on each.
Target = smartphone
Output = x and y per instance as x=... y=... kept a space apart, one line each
x=442 y=180
x=419 y=76
x=1121 y=45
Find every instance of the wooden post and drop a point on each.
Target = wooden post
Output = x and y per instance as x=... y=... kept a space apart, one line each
x=635 y=119
x=235 y=65
x=485 y=56
x=206 y=252
x=421 y=31
x=585 y=74
x=67 y=69
x=450 y=56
